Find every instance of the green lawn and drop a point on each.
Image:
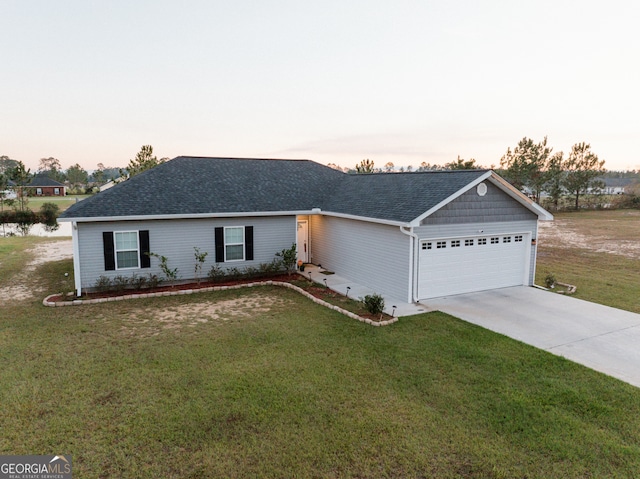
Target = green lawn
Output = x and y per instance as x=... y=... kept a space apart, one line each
x=35 y=202
x=272 y=385
x=63 y=202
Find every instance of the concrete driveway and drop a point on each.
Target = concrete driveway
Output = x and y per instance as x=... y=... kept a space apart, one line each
x=599 y=337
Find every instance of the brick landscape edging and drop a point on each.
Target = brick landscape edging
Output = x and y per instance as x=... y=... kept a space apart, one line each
x=78 y=302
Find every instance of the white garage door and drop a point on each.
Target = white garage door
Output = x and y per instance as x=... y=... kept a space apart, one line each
x=463 y=265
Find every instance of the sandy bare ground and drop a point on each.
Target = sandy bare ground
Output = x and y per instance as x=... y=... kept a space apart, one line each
x=22 y=288
x=150 y=321
x=560 y=234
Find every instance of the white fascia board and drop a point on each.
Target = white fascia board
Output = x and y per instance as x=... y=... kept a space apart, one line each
x=96 y=219
x=460 y=192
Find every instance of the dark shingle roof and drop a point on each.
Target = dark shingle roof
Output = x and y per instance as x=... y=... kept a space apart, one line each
x=188 y=185
x=44 y=181
x=397 y=196
x=192 y=185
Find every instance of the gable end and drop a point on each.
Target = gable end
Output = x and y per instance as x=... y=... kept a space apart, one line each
x=494 y=206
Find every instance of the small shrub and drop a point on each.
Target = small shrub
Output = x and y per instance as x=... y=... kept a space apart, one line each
x=550 y=281
x=233 y=274
x=289 y=258
x=138 y=282
x=374 y=303
x=270 y=268
x=120 y=283
x=216 y=274
x=103 y=284
x=250 y=272
x=153 y=280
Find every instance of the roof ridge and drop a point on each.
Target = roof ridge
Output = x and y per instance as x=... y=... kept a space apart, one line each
x=238 y=158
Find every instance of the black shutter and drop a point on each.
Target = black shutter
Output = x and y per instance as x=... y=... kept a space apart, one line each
x=145 y=259
x=220 y=245
x=248 y=243
x=109 y=251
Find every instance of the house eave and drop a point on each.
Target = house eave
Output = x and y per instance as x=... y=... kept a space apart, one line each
x=361 y=218
x=103 y=219
x=242 y=214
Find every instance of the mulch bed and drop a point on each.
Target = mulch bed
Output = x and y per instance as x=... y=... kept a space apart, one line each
x=314 y=289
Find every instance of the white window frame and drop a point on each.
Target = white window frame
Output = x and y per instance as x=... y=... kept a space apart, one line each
x=242 y=228
x=116 y=250
x=56 y=191
x=38 y=191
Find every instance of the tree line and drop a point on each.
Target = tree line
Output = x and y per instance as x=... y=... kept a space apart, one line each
x=16 y=177
x=75 y=176
x=531 y=167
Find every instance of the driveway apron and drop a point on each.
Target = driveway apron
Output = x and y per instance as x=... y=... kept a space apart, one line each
x=602 y=338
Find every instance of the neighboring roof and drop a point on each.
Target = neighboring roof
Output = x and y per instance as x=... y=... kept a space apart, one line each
x=617 y=182
x=196 y=186
x=44 y=181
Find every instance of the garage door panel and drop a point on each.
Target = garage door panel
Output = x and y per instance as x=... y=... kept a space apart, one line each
x=463 y=265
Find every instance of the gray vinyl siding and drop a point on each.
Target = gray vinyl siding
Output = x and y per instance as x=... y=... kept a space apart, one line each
x=176 y=239
x=469 y=207
x=370 y=254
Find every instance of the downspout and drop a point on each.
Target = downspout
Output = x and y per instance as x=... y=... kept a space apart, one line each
x=413 y=270
x=76 y=258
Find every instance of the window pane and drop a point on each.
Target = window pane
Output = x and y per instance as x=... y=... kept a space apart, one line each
x=234 y=235
x=127 y=240
x=235 y=252
x=127 y=259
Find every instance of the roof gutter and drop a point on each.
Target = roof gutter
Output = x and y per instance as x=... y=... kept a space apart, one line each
x=413 y=268
x=236 y=214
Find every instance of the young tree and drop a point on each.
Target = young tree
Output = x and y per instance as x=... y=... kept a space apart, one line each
x=4 y=184
x=77 y=175
x=461 y=164
x=555 y=178
x=144 y=160
x=525 y=166
x=582 y=170
x=7 y=164
x=365 y=166
x=424 y=166
x=21 y=176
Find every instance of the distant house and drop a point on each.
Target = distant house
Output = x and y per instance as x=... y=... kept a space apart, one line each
x=411 y=236
x=617 y=186
x=44 y=186
x=10 y=192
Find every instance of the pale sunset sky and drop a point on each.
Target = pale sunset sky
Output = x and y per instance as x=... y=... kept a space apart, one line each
x=334 y=81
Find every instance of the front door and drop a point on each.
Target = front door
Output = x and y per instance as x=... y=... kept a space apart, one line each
x=303 y=241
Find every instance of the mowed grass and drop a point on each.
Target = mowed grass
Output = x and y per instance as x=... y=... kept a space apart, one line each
x=601 y=277
x=63 y=202
x=163 y=388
